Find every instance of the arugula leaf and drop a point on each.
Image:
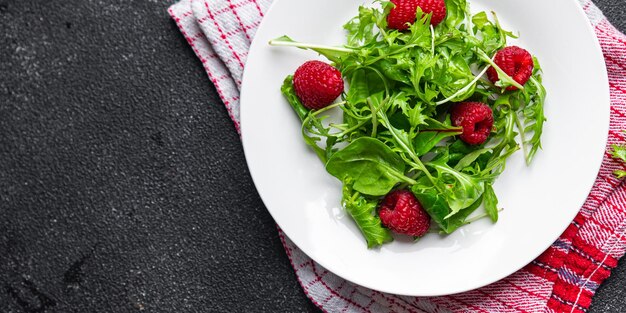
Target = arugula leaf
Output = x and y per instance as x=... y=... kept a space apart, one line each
x=363 y=212
x=461 y=190
x=481 y=20
x=310 y=123
x=395 y=68
x=505 y=117
x=457 y=150
x=619 y=174
x=534 y=115
x=619 y=153
x=303 y=113
x=334 y=54
x=432 y=134
x=370 y=164
x=437 y=207
x=494 y=37
x=415 y=113
x=290 y=94
x=491 y=202
x=455 y=12
x=363 y=84
x=361 y=29
x=471 y=158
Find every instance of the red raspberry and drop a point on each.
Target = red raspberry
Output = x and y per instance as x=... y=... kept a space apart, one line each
x=405 y=12
x=515 y=62
x=317 y=84
x=401 y=212
x=476 y=119
x=436 y=7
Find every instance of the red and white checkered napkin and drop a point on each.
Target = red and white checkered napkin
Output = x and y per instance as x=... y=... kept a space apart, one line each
x=563 y=279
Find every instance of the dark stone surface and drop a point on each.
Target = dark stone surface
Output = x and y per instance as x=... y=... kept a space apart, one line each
x=123 y=186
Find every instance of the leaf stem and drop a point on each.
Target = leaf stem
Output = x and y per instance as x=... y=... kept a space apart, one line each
x=361 y=123
x=355 y=196
x=405 y=146
x=479 y=217
x=312 y=114
x=374 y=119
x=332 y=106
x=501 y=74
x=405 y=179
x=283 y=43
x=432 y=40
x=539 y=117
x=522 y=134
x=465 y=88
x=380 y=57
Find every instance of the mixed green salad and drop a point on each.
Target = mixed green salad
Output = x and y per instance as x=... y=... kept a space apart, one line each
x=397 y=132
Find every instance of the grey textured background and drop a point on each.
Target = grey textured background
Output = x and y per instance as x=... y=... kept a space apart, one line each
x=123 y=185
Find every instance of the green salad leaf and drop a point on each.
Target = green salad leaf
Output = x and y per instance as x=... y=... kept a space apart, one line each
x=433 y=133
x=373 y=167
x=396 y=130
x=437 y=207
x=619 y=153
x=491 y=203
x=363 y=212
x=460 y=189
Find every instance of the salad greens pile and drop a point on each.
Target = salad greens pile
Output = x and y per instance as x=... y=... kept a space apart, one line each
x=396 y=130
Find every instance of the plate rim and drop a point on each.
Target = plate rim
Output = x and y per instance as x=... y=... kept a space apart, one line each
x=606 y=127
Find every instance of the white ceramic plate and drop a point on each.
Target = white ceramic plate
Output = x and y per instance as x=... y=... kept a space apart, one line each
x=539 y=201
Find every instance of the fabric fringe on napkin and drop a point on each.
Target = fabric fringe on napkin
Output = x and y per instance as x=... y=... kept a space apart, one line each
x=563 y=279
